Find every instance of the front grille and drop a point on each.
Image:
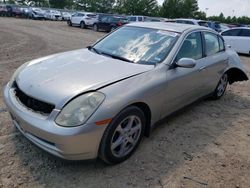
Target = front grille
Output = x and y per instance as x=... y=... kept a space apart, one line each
x=31 y=103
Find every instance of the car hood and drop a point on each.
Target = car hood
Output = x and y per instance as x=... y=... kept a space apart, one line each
x=58 y=78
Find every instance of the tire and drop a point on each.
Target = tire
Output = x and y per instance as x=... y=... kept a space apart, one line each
x=82 y=25
x=221 y=87
x=69 y=23
x=122 y=136
x=95 y=27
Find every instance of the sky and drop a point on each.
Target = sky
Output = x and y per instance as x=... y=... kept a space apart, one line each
x=227 y=7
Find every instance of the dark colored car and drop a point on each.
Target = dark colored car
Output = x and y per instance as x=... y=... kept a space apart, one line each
x=13 y=10
x=109 y=23
x=3 y=10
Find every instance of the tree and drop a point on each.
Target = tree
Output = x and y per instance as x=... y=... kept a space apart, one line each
x=57 y=3
x=179 y=8
x=189 y=8
x=200 y=15
x=171 y=9
x=138 y=7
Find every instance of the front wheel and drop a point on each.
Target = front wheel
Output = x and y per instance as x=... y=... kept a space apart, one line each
x=69 y=23
x=122 y=136
x=221 y=87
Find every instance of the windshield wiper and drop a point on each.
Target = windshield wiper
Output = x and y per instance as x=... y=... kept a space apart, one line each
x=117 y=57
x=110 y=55
x=93 y=49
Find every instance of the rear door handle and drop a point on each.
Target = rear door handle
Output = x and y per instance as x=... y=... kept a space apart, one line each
x=202 y=68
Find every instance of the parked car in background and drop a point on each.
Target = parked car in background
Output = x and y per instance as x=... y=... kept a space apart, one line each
x=51 y=14
x=154 y=19
x=224 y=27
x=238 y=38
x=215 y=26
x=3 y=10
x=136 y=18
x=36 y=13
x=190 y=21
x=65 y=15
x=103 y=99
x=25 y=11
x=17 y=11
x=109 y=23
x=83 y=19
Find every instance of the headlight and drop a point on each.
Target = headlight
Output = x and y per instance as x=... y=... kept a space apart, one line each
x=78 y=111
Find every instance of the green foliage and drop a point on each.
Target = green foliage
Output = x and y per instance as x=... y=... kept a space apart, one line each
x=179 y=8
x=104 y=6
x=58 y=3
x=230 y=20
x=138 y=7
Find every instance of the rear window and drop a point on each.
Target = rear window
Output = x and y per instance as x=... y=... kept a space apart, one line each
x=245 y=33
x=212 y=43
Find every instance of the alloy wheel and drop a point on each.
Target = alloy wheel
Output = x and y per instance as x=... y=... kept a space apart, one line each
x=126 y=136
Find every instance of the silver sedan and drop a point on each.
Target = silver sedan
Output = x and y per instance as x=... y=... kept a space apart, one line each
x=101 y=101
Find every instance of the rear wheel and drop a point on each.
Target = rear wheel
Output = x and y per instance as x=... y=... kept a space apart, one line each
x=95 y=27
x=82 y=25
x=122 y=136
x=221 y=87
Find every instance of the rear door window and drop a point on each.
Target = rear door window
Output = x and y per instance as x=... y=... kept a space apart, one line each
x=222 y=44
x=211 y=43
x=132 y=19
x=245 y=33
x=233 y=32
x=140 y=19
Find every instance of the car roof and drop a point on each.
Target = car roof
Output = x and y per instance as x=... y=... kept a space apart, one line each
x=86 y=12
x=175 y=27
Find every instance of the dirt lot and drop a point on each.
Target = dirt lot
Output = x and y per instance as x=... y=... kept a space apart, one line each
x=207 y=145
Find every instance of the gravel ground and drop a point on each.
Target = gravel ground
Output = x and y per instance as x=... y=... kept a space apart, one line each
x=206 y=145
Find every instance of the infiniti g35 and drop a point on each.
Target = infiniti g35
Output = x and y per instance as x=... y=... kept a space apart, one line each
x=101 y=101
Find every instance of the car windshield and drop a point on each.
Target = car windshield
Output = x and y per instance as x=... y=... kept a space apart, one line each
x=137 y=44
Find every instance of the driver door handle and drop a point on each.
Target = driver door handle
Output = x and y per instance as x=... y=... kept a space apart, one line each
x=202 y=68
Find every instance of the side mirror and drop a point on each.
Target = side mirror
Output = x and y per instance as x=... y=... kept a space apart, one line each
x=186 y=63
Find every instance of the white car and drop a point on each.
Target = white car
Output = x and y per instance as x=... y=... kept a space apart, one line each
x=192 y=22
x=53 y=15
x=83 y=19
x=238 y=38
x=136 y=18
x=36 y=13
x=66 y=15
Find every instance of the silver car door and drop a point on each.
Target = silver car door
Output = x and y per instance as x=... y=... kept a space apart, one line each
x=184 y=85
x=215 y=62
x=73 y=18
